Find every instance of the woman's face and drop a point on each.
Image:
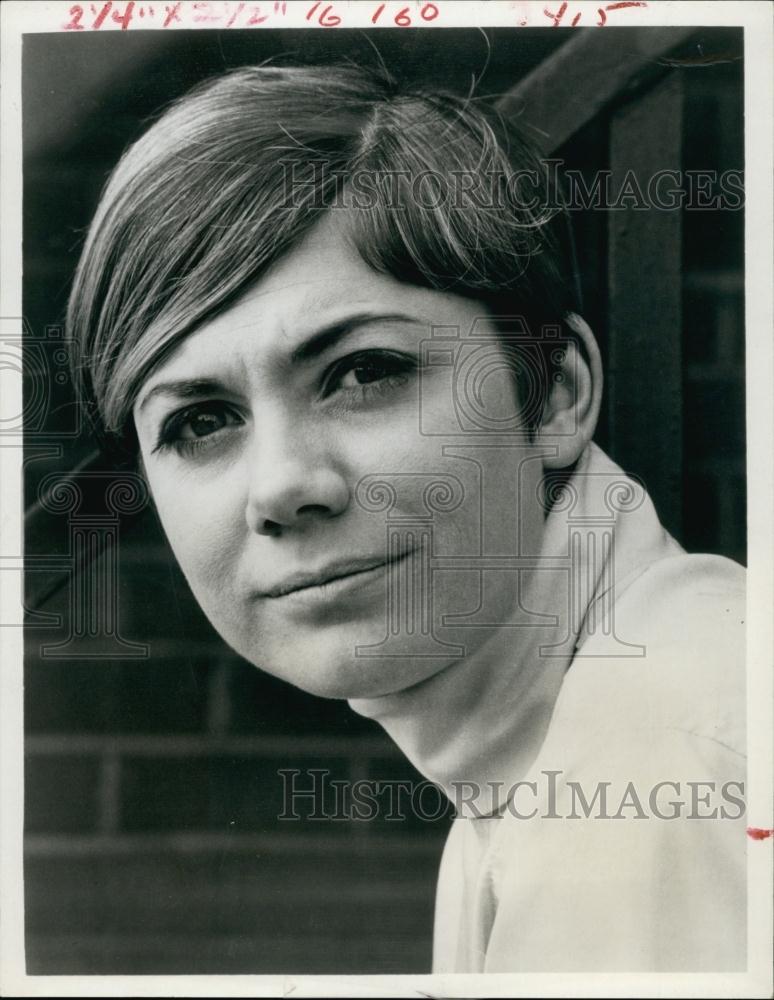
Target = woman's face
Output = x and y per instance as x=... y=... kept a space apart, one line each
x=257 y=434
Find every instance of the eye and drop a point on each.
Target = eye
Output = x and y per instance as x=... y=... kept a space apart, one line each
x=369 y=371
x=201 y=423
x=193 y=427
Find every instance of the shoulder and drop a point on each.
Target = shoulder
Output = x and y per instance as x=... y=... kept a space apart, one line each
x=685 y=597
x=624 y=847
x=672 y=661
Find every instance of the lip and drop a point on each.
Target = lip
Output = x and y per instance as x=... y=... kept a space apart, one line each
x=332 y=579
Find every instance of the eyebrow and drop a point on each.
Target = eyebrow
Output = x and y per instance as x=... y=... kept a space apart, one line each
x=325 y=338
x=319 y=342
x=185 y=388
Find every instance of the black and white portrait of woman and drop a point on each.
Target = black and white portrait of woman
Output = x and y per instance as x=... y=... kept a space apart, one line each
x=385 y=494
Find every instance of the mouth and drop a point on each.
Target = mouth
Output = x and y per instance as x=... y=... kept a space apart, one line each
x=333 y=577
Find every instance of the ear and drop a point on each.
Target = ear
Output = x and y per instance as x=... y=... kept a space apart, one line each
x=574 y=397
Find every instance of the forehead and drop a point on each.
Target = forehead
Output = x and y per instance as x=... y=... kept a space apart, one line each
x=321 y=281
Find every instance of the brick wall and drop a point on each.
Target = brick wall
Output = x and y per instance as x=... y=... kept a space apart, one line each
x=715 y=494
x=153 y=837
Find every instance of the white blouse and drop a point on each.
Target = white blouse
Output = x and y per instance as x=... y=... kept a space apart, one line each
x=654 y=880
x=636 y=674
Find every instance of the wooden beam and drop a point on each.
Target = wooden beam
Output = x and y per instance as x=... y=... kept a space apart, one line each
x=645 y=371
x=583 y=76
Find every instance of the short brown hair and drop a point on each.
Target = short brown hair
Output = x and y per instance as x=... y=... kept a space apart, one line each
x=236 y=171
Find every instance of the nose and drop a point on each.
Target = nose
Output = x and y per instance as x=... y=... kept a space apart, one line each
x=293 y=483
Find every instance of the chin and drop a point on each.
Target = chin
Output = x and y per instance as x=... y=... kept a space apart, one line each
x=331 y=669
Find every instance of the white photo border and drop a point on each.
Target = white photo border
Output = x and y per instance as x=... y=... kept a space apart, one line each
x=18 y=18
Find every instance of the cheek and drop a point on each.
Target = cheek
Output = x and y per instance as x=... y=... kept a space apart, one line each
x=205 y=526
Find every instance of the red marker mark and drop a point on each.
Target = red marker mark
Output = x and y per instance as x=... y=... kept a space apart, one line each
x=620 y=5
x=124 y=19
x=557 y=17
x=173 y=14
x=74 y=24
x=234 y=16
x=206 y=12
x=327 y=19
x=756 y=833
x=98 y=21
x=377 y=14
x=576 y=19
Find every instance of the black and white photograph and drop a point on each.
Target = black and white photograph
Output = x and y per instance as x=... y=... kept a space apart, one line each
x=387 y=416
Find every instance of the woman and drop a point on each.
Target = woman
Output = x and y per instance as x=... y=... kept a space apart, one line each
x=334 y=323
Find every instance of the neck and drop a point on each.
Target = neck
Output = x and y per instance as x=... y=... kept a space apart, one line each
x=475 y=727
x=483 y=718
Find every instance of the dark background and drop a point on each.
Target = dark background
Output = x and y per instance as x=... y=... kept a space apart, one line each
x=152 y=789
